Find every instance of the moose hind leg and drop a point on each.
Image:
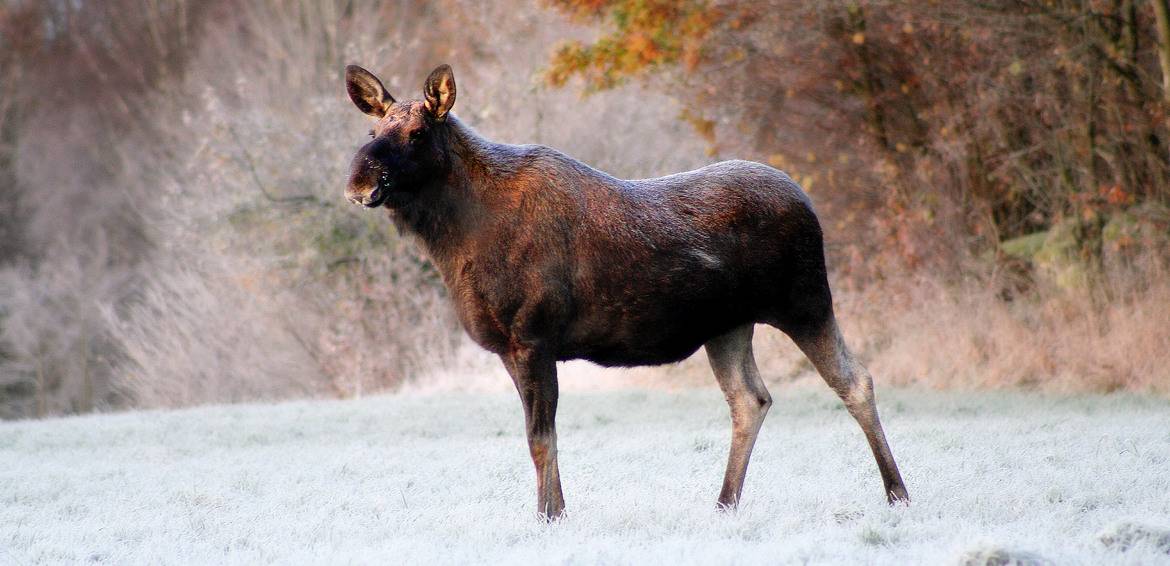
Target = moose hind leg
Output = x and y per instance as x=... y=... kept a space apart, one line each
x=735 y=368
x=853 y=384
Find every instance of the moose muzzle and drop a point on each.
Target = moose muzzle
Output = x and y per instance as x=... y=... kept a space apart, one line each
x=368 y=185
x=365 y=197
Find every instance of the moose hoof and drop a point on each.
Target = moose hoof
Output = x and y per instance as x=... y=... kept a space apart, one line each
x=727 y=504
x=550 y=517
x=897 y=494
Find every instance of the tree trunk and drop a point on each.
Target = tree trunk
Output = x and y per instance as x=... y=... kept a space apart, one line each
x=86 y=377
x=870 y=82
x=41 y=401
x=1162 y=12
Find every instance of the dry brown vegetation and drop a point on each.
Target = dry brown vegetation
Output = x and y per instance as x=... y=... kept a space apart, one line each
x=993 y=181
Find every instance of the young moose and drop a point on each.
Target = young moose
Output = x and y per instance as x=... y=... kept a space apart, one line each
x=548 y=259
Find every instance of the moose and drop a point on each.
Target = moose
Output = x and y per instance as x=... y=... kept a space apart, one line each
x=547 y=259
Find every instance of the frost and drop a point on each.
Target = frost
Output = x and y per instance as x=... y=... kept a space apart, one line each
x=997 y=479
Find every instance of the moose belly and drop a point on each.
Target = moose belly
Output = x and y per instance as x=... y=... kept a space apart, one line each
x=665 y=328
x=638 y=354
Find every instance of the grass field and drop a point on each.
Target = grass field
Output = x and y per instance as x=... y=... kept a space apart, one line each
x=427 y=478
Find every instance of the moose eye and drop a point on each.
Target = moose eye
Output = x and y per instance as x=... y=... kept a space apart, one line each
x=416 y=135
x=371 y=133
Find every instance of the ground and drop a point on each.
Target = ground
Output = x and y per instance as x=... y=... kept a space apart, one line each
x=445 y=478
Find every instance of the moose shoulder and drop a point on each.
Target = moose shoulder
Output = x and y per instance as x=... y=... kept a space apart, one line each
x=548 y=259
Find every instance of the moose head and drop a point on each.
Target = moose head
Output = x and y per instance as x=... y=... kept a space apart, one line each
x=408 y=152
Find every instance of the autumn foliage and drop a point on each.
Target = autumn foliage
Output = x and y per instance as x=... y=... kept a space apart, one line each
x=648 y=35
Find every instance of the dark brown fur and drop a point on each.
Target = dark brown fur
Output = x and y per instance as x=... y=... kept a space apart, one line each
x=548 y=259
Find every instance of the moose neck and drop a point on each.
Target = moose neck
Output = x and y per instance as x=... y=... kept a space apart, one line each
x=450 y=211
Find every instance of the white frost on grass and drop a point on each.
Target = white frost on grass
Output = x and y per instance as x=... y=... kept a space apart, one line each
x=423 y=478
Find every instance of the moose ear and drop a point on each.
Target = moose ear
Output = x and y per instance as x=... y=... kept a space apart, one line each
x=440 y=92
x=367 y=92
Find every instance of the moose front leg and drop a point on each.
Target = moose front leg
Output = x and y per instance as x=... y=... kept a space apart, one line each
x=535 y=376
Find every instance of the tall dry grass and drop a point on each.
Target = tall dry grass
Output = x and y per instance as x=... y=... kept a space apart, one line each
x=967 y=335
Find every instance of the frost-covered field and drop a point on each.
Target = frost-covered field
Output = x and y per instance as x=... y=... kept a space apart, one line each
x=424 y=478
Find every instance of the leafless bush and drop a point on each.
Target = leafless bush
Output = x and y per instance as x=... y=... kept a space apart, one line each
x=60 y=356
x=72 y=75
x=212 y=334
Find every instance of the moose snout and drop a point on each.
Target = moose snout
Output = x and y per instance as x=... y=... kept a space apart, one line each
x=367 y=186
x=364 y=195
x=369 y=179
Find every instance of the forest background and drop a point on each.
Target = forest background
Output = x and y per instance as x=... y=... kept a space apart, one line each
x=993 y=178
